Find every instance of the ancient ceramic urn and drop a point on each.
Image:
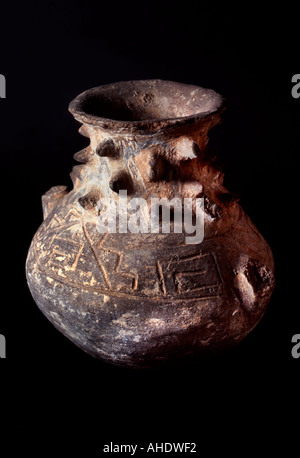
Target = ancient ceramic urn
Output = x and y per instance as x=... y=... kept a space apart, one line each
x=142 y=298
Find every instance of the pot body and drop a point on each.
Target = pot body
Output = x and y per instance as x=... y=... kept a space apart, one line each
x=142 y=299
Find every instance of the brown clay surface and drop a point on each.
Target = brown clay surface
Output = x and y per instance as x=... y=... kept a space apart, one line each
x=144 y=299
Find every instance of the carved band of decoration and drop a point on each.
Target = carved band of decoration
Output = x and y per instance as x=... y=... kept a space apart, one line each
x=161 y=278
x=69 y=281
x=133 y=276
x=61 y=221
x=95 y=253
x=177 y=276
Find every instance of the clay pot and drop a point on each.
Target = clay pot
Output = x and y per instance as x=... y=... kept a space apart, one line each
x=141 y=299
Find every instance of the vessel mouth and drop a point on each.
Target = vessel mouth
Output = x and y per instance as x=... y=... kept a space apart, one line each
x=144 y=104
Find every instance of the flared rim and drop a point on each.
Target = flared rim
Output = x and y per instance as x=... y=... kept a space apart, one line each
x=145 y=105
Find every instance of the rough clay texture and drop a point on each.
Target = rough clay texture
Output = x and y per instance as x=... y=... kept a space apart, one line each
x=141 y=300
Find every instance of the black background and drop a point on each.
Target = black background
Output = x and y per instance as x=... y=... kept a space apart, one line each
x=50 y=52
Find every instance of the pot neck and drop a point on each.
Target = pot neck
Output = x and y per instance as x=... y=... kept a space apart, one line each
x=185 y=141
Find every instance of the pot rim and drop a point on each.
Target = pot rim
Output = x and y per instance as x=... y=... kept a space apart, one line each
x=115 y=93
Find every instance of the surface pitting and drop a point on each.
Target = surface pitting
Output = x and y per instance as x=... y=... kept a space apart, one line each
x=145 y=299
